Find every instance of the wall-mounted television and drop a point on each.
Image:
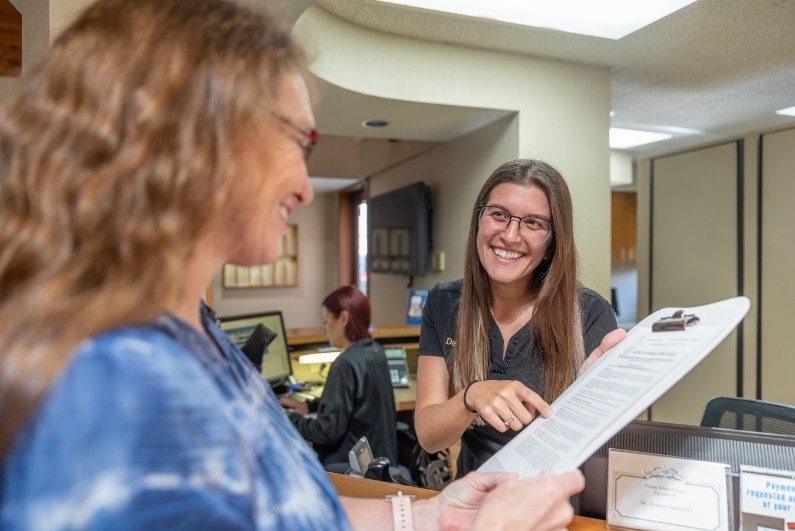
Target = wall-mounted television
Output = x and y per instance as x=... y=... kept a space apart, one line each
x=399 y=228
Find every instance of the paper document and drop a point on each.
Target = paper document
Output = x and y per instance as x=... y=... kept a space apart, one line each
x=617 y=388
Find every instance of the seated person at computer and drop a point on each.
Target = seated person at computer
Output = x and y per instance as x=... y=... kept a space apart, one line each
x=357 y=398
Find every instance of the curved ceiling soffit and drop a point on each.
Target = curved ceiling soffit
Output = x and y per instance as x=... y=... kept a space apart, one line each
x=472 y=32
x=381 y=64
x=381 y=70
x=382 y=61
x=331 y=42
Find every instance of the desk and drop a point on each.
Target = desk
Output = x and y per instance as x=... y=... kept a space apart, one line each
x=368 y=488
x=405 y=397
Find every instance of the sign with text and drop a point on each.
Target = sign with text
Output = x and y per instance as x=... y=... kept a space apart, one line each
x=656 y=492
x=767 y=498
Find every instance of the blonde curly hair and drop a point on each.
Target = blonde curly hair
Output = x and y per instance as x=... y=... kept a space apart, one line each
x=116 y=153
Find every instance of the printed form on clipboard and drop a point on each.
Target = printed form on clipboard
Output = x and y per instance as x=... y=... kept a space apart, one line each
x=654 y=355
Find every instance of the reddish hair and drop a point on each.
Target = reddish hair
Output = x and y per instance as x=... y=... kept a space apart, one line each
x=353 y=301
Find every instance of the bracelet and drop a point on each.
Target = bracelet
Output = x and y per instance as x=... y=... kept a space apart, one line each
x=402 y=519
x=466 y=405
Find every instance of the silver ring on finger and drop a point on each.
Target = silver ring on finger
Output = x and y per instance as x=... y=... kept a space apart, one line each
x=510 y=419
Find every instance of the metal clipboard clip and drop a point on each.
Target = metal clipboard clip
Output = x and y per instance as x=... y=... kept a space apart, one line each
x=678 y=321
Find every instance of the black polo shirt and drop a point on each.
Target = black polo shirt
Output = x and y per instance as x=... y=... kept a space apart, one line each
x=523 y=360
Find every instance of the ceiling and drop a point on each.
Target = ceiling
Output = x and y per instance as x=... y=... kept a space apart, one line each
x=714 y=70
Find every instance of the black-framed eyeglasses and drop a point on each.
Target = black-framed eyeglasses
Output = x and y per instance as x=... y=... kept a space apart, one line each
x=535 y=230
x=311 y=136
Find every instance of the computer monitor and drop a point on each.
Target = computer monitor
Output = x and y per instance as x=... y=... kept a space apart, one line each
x=732 y=447
x=276 y=363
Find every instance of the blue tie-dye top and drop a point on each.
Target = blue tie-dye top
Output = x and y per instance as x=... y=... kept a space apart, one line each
x=149 y=427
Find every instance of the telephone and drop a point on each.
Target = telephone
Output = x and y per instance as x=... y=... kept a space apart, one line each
x=398 y=366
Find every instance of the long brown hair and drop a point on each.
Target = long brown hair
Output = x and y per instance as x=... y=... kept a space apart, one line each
x=557 y=326
x=116 y=153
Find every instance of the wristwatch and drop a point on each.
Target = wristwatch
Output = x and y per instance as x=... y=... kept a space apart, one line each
x=402 y=519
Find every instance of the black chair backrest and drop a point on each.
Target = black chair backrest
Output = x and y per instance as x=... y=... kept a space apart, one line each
x=749 y=414
x=256 y=346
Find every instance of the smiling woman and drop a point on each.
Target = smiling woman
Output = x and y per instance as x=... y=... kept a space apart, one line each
x=512 y=334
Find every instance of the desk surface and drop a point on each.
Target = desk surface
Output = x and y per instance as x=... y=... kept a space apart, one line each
x=405 y=397
x=368 y=488
x=314 y=336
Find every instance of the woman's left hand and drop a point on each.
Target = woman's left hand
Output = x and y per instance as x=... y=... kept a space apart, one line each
x=609 y=341
x=501 y=501
x=506 y=404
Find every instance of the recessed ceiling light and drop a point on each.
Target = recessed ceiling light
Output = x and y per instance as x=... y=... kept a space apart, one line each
x=789 y=111
x=610 y=19
x=375 y=123
x=627 y=138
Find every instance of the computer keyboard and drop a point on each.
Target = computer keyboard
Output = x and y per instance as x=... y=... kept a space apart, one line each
x=303 y=397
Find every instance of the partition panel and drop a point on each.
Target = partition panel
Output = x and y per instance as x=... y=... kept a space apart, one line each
x=694 y=261
x=777 y=294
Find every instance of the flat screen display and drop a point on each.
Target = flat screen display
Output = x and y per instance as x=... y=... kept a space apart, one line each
x=276 y=363
x=400 y=231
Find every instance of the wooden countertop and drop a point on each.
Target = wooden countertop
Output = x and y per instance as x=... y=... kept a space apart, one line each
x=368 y=488
x=406 y=397
x=313 y=336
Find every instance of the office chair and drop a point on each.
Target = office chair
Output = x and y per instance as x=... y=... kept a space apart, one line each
x=256 y=346
x=749 y=414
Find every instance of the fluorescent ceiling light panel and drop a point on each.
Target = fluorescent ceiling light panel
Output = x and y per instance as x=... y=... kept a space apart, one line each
x=789 y=111
x=610 y=19
x=628 y=138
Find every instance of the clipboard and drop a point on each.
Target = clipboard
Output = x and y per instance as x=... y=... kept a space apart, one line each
x=619 y=386
x=677 y=321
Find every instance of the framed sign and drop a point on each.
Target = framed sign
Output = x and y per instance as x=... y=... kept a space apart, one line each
x=280 y=274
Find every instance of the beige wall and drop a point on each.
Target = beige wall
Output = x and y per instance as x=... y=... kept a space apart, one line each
x=317 y=271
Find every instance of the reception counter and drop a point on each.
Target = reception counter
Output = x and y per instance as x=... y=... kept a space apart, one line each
x=367 y=488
